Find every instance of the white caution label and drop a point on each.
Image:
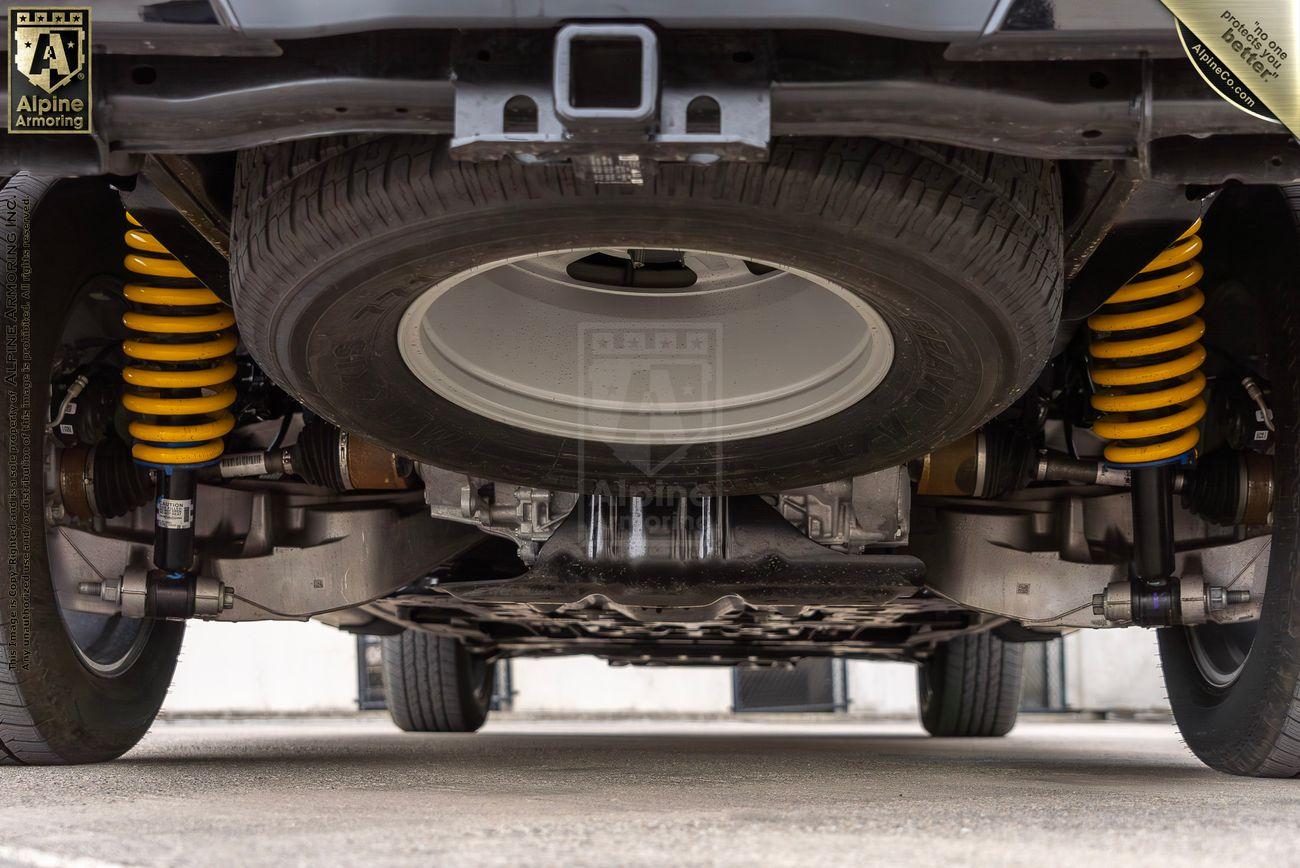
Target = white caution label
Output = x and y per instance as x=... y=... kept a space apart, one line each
x=174 y=514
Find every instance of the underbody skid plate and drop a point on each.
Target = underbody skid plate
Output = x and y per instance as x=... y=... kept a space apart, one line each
x=693 y=554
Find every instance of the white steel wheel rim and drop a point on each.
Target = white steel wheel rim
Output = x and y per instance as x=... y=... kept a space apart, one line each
x=735 y=355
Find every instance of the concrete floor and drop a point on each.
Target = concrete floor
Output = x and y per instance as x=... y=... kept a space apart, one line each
x=646 y=793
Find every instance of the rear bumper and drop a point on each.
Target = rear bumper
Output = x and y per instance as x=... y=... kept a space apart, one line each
x=924 y=20
x=988 y=28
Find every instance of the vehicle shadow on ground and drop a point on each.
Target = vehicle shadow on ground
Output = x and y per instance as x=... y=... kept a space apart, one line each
x=666 y=758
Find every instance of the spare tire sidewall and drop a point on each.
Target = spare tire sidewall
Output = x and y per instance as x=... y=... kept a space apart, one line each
x=335 y=344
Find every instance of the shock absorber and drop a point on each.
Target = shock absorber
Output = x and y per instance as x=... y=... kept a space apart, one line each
x=1146 y=360
x=179 y=385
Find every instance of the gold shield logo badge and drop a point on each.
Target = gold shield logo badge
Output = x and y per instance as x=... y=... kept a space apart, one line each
x=49 y=72
x=49 y=46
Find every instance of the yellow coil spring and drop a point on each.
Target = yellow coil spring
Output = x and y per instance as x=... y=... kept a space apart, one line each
x=180 y=383
x=1147 y=359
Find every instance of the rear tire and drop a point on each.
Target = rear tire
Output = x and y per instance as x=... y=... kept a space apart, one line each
x=1235 y=688
x=54 y=708
x=434 y=684
x=971 y=687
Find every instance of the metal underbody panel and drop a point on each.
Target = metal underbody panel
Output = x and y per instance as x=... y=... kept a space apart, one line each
x=719 y=581
x=1041 y=556
x=730 y=547
x=732 y=630
x=847 y=515
x=716 y=581
x=816 y=571
x=286 y=557
x=732 y=580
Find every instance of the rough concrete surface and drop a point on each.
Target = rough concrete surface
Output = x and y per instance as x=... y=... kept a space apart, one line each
x=647 y=793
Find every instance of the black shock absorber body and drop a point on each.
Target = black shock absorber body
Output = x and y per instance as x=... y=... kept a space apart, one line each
x=1153 y=524
x=173 y=539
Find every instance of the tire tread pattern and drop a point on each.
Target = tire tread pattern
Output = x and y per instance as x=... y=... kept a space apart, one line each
x=52 y=709
x=426 y=683
x=1253 y=727
x=971 y=687
x=20 y=734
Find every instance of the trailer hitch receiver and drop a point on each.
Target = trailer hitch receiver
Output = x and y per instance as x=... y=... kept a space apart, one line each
x=612 y=99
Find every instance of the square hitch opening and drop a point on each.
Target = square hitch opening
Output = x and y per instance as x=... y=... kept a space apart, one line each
x=606 y=73
x=612 y=99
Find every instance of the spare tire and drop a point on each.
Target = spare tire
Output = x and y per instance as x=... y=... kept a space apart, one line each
x=841 y=308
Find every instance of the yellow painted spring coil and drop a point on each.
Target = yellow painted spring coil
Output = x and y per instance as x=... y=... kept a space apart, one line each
x=1146 y=359
x=180 y=382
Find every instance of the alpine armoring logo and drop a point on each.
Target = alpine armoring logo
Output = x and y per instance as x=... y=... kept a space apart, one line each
x=639 y=370
x=50 y=51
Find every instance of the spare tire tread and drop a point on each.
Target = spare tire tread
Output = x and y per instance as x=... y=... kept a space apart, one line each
x=990 y=221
